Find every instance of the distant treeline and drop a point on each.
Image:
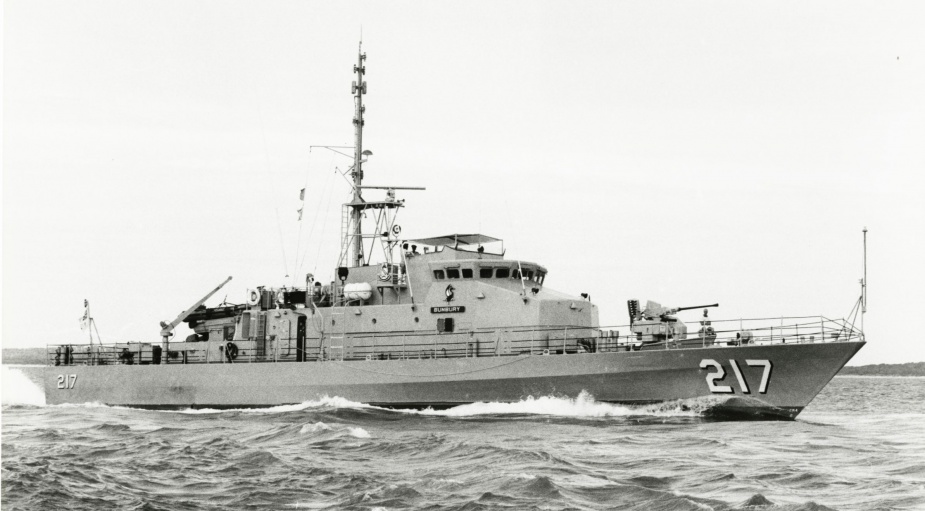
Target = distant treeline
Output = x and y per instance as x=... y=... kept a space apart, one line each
x=37 y=356
x=908 y=369
x=24 y=356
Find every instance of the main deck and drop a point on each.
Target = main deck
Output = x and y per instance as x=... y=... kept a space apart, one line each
x=471 y=343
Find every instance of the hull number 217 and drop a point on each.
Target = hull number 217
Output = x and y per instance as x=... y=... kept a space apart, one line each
x=67 y=381
x=718 y=374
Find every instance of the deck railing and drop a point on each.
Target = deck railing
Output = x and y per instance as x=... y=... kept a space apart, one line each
x=481 y=342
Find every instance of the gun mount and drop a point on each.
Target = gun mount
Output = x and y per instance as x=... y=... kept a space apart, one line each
x=655 y=325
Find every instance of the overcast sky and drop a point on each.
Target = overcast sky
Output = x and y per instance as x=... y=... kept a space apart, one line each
x=683 y=152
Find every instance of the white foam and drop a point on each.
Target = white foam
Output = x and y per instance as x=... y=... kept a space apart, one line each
x=18 y=389
x=329 y=402
x=358 y=432
x=314 y=428
x=582 y=406
x=310 y=505
x=92 y=404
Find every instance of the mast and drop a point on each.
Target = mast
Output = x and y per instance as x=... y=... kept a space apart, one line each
x=864 y=282
x=359 y=88
x=383 y=210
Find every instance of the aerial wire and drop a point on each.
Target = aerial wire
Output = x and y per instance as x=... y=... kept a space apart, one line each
x=282 y=242
x=327 y=211
x=266 y=154
x=324 y=193
x=298 y=268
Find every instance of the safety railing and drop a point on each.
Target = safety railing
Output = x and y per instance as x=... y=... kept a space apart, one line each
x=481 y=342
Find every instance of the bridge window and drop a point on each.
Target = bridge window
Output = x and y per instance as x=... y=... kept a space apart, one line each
x=527 y=274
x=438 y=274
x=485 y=273
x=467 y=273
x=452 y=273
x=503 y=273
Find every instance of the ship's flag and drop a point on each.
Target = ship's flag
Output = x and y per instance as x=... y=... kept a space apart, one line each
x=85 y=320
x=302 y=194
x=300 y=213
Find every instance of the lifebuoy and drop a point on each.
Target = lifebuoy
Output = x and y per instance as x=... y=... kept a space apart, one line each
x=253 y=297
x=231 y=351
x=384 y=274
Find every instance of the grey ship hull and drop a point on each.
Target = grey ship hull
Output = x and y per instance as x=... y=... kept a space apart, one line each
x=795 y=373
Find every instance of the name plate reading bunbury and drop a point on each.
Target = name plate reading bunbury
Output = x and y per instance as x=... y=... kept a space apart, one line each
x=448 y=310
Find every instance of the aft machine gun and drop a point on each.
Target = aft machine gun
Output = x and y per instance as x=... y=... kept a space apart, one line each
x=657 y=325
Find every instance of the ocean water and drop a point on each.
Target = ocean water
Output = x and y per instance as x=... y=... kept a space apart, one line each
x=859 y=446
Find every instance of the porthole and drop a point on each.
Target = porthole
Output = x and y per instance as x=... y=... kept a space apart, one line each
x=416 y=320
x=374 y=321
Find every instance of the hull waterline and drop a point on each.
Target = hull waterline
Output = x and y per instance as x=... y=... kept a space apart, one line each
x=795 y=375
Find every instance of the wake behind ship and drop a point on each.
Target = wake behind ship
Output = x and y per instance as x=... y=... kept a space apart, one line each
x=444 y=321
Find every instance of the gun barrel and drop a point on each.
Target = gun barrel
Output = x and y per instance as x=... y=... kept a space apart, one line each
x=697 y=307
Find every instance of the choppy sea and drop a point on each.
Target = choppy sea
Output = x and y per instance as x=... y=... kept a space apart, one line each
x=860 y=445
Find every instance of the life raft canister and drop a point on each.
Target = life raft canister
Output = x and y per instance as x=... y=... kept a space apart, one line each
x=253 y=297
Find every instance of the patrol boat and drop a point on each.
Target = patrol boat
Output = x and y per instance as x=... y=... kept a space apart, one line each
x=449 y=320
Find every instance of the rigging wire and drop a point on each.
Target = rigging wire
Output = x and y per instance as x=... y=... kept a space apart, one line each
x=99 y=340
x=298 y=269
x=325 y=192
x=266 y=155
x=282 y=243
x=299 y=263
x=327 y=210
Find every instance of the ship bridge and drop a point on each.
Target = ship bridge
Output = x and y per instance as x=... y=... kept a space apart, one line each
x=452 y=249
